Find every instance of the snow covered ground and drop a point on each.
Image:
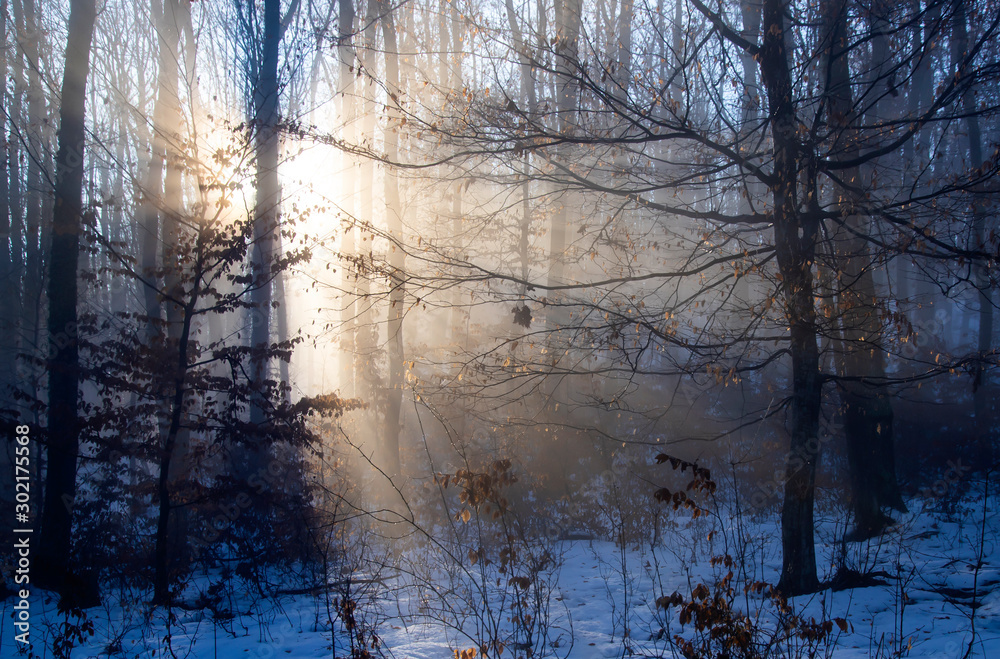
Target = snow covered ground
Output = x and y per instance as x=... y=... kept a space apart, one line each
x=937 y=590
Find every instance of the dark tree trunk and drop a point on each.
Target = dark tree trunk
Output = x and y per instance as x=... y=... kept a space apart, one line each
x=10 y=293
x=167 y=541
x=868 y=416
x=35 y=188
x=8 y=285
x=281 y=321
x=160 y=220
x=120 y=286
x=63 y=433
x=795 y=241
x=873 y=404
x=751 y=15
x=15 y=201
x=174 y=442
x=266 y=135
x=980 y=209
x=916 y=152
x=17 y=304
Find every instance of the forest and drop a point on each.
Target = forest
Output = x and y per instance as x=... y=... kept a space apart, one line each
x=499 y=328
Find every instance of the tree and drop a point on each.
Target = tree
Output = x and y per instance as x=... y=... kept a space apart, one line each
x=195 y=391
x=795 y=240
x=576 y=230
x=8 y=284
x=266 y=209
x=980 y=210
x=64 y=376
x=348 y=58
x=261 y=30
x=37 y=182
x=866 y=399
x=689 y=152
x=397 y=273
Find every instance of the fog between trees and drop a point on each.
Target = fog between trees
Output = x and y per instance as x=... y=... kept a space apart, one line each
x=323 y=259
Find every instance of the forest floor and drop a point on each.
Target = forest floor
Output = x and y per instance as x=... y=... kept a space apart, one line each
x=935 y=588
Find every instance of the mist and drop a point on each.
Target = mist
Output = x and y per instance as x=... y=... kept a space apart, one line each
x=427 y=314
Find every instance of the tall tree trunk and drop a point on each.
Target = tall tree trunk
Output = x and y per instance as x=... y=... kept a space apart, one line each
x=56 y=535
x=871 y=413
x=349 y=276
x=35 y=189
x=266 y=208
x=980 y=210
x=366 y=331
x=568 y=23
x=528 y=101
x=750 y=11
x=281 y=329
x=397 y=264
x=14 y=200
x=165 y=126
x=15 y=113
x=623 y=50
x=916 y=152
x=160 y=213
x=120 y=286
x=9 y=290
x=175 y=443
x=795 y=244
x=868 y=413
x=171 y=544
x=453 y=28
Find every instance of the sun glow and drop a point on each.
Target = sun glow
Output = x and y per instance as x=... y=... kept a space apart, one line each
x=314 y=180
x=317 y=189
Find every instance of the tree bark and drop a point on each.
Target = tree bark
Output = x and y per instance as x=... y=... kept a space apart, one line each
x=56 y=535
x=348 y=66
x=750 y=11
x=266 y=208
x=18 y=306
x=160 y=213
x=8 y=286
x=175 y=442
x=165 y=125
x=10 y=292
x=916 y=152
x=795 y=243
x=567 y=47
x=529 y=101
x=171 y=539
x=281 y=329
x=867 y=408
x=35 y=188
x=568 y=23
x=981 y=400
x=397 y=263
x=15 y=200
x=366 y=333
